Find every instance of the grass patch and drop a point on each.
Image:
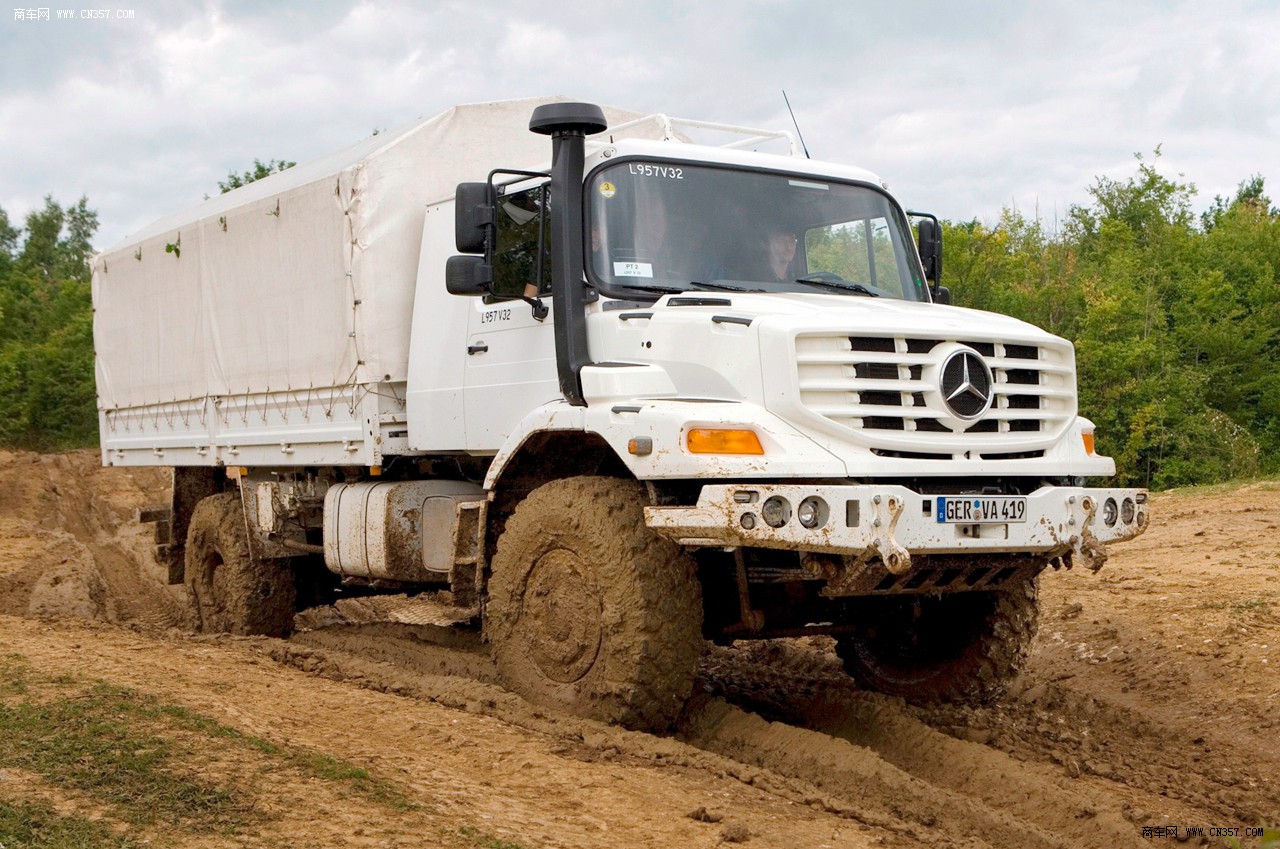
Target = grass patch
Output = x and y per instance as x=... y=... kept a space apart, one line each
x=481 y=840
x=133 y=754
x=191 y=721
x=35 y=826
x=1270 y=839
x=1251 y=605
x=1252 y=484
x=1260 y=606
x=371 y=787
x=13 y=675
x=90 y=742
x=320 y=765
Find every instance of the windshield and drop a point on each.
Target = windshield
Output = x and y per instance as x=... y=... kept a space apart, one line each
x=674 y=227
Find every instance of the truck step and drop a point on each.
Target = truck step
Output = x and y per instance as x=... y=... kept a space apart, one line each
x=152 y=514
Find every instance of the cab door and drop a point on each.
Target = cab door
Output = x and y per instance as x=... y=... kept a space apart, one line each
x=511 y=356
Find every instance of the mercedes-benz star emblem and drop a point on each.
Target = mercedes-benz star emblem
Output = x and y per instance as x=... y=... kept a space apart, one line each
x=966 y=384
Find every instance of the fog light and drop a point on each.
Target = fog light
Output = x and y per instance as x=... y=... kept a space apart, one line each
x=1109 y=512
x=748 y=521
x=776 y=511
x=1126 y=510
x=812 y=512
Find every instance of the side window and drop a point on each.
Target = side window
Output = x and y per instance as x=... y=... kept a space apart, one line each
x=522 y=251
x=882 y=256
x=859 y=251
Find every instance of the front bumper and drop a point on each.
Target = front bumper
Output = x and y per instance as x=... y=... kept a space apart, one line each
x=893 y=523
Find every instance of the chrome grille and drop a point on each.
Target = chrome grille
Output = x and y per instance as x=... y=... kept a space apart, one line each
x=887 y=389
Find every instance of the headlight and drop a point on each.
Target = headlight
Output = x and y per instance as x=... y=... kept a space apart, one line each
x=1126 y=510
x=1110 y=512
x=812 y=512
x=776 y=511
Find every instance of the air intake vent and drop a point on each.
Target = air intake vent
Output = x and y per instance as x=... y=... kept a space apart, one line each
x=889 y=389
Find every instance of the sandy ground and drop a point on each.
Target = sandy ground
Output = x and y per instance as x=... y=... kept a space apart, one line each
x=1152 y=699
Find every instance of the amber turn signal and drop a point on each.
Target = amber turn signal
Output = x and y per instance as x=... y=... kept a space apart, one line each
x=1088 y=442
x=702 y=440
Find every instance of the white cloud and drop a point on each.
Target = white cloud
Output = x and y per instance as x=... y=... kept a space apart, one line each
x=963 y=110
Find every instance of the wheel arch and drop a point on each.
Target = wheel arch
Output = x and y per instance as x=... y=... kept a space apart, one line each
x=541 y=457
x=548 y=455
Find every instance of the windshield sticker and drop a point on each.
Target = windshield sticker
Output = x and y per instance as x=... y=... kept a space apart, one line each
x=801 y=184
x=607 y=190
x=667 y=171
x=633 y=269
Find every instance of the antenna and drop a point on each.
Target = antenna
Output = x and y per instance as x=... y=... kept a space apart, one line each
x=799 y=135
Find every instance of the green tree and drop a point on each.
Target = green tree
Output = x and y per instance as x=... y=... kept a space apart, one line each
x=47 y=397
x=1250 y=193
x=9 y=236
x=260 y=170
x=1176 y=319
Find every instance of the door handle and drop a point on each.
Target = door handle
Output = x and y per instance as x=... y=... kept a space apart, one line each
x=477 y=349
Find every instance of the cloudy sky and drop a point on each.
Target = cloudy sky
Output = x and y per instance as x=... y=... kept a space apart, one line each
x=963 y=108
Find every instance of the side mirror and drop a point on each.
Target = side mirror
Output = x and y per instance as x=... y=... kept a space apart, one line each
x=472 y=217
x=467 y=275
x=941 y=295
x=929 y=244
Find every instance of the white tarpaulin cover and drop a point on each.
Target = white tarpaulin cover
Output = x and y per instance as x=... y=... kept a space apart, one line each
x=303 y=279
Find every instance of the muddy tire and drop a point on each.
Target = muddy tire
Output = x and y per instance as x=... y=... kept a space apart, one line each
x=229 y=591
x=590 y=611
x=965 y=647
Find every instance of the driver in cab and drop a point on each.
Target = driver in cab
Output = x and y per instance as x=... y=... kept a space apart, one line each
x=780 y=253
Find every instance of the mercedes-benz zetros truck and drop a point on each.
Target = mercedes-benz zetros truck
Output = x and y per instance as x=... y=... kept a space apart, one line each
x=678 y=385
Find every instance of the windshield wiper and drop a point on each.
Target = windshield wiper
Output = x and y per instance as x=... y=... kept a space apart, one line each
x=724 y=287
x=841 y=285
x=694 y=285
x=652 y=290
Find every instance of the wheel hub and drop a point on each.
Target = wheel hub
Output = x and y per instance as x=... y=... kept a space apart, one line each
x=561 y=617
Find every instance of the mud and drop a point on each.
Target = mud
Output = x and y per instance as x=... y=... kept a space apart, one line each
x=1150 y=697
x=69 y=545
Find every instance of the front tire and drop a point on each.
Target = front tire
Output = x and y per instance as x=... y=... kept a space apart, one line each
x=963 y=647
x=230 y=591
x=592 y=612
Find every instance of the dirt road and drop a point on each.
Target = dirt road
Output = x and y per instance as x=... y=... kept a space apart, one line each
x=1152 y=700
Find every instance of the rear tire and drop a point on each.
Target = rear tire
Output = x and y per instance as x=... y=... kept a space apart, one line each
x=230 y=591
x=963 y=647
x=589 y=610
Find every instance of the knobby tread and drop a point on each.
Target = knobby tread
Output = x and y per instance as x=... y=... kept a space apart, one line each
x=643 y=586
x=994 y=631
x=230 y=592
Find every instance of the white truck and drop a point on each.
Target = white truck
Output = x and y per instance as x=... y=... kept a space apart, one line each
x=658 y=393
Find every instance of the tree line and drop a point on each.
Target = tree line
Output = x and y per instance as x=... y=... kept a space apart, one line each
x=47 y=399
x=1175 y=317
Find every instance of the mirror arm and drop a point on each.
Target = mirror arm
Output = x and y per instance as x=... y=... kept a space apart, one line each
x=540 y=310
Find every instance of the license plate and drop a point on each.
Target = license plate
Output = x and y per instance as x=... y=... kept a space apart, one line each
x=981 y=510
